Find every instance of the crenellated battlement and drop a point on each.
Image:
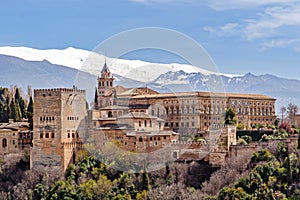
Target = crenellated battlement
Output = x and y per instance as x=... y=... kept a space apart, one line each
x=58 y=90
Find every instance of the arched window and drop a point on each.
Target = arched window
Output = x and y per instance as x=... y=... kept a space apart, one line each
x=4 y=142
x=110 y=114
x=140 y=139
x=140 y=123
x=145 y=123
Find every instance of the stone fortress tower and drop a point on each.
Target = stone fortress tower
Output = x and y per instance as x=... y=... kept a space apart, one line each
x=57 y=136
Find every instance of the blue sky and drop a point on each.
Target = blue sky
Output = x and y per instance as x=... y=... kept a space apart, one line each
x=257 y=36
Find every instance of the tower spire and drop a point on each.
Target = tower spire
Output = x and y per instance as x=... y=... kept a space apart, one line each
x=105 y=68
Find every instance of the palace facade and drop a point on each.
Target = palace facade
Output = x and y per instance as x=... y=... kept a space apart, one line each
x=138 y=120
x=187 y=112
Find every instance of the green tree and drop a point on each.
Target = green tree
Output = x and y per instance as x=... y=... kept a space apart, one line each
x=247 y=138
x=21 y=103
x=5 y=98
x=96 y=99
x=230 y=118
x=15 y=112
x=30 y=112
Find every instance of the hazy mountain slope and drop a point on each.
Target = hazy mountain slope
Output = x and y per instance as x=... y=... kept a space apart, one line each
x=284 y=90
x=43 y=74
x=91 y=62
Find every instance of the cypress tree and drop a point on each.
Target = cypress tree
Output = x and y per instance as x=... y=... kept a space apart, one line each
x=96 y=99
x=21 y=103
x=30 y=113
x=15 y=112
x=12 y=113
x=7 y=109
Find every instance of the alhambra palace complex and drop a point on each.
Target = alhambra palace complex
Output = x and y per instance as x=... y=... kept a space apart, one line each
x=141 y=120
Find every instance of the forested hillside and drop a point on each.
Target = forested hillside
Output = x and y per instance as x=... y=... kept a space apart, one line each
x=271 y=173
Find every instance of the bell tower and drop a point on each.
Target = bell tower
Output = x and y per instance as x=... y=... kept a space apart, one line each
x=105 y=87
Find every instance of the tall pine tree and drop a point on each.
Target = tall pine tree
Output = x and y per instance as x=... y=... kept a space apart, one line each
x=15 y=112
x=96 y=99
x=4 y=104
x=21 y=103
x=30 y=112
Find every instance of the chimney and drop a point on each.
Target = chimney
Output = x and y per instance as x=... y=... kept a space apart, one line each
x=10 y=121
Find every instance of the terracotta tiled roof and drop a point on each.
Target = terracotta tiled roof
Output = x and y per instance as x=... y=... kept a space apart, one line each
x=203 y=94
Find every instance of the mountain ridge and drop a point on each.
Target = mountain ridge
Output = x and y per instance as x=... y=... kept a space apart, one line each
x=44 y=74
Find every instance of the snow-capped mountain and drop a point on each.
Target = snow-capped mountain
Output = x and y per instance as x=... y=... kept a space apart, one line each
x=92 y=62
x=33 y=67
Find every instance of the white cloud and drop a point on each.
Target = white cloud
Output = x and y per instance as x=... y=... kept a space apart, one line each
x=226 y=30
x=236 y=4
x=279 y=43
x=279 y=21
x=274 y=21
x=222 y=4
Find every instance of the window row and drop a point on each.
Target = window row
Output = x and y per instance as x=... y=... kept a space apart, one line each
x=47 y=135
x=4 y=142
x=181 y=110
x=72 y=118
x=145 y=123
x=182 y=124
x=47 y=118
x=72 y=134
x=105 y=83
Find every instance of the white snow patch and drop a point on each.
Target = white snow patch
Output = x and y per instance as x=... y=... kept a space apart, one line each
x=92 y=62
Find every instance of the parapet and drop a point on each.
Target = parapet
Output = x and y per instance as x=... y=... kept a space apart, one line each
x=59 y=90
